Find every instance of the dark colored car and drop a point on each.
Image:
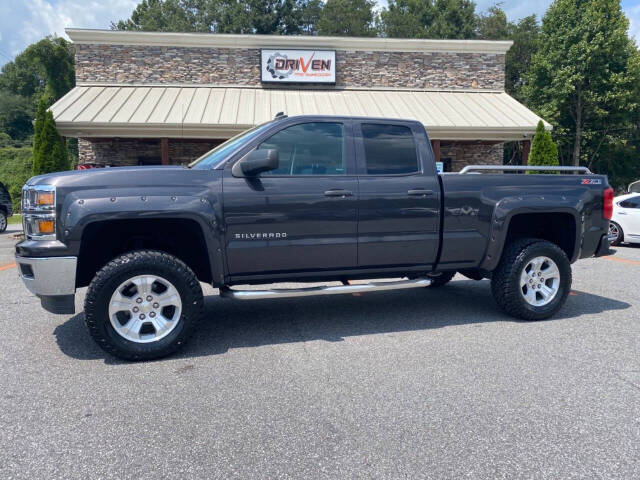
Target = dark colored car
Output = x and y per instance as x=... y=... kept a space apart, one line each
x=6 y=208
x=305 y=199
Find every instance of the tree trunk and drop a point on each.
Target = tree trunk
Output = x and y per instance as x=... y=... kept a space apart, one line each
x=576 y=140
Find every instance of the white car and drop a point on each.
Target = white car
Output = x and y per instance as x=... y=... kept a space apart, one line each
x=625 y=222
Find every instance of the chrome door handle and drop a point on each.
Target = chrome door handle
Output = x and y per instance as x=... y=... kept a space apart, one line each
x=419 y=192
x=338 y=192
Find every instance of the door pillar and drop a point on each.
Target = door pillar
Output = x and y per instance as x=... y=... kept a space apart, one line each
x=435 y=144
x=164 y=147
x=526 y=148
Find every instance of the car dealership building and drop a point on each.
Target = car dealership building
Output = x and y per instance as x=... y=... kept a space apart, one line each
x=166 y=98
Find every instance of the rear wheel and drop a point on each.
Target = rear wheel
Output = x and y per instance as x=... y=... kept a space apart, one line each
x=532 y=280
x=616 y=235
x=143 y=305
x=3 y=221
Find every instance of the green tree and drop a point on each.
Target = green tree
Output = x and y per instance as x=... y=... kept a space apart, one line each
x=582 y=77
x=494 y=25
x=45 y=65
x=49 y=152
x=353 y=18
x=15 y=115
x=544 y=151
x=455 y=19
x=284 y=17
x=526 y=42
x=159 y=16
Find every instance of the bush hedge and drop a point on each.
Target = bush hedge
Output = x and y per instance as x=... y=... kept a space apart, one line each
x=15 y=170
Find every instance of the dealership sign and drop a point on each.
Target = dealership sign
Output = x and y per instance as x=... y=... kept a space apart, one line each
x=298 y=66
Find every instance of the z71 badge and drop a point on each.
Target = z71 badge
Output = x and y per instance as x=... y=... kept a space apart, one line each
x=591 y=181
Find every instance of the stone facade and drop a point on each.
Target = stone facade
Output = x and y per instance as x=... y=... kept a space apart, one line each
x=137 y=151
x=475 y=153
x=147 y=64
x=201 y=65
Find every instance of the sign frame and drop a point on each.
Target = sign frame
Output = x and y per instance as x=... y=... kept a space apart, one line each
x=272 y=81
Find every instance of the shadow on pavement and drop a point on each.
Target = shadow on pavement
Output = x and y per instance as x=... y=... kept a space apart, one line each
x=233 y=324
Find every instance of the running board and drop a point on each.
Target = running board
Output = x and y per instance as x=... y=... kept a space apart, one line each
x=325 y=290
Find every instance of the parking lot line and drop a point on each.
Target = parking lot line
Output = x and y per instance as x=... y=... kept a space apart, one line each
x=7 y=267
x=622 y=260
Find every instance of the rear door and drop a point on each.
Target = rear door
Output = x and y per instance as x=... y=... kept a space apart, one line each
x=399 y=206
x=302 y=216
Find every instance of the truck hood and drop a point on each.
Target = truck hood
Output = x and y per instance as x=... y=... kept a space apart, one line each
x=108 y=177
x=121 y=182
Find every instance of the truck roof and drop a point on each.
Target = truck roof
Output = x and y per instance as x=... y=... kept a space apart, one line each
x=346 y=117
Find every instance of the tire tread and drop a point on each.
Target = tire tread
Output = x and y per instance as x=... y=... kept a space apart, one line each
x=505 y=280
x=141 y=258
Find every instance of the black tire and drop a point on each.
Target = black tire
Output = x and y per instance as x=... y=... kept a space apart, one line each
x=3 y=221
x=620 y=234
x=441 y=279
x=143 y=262
x=505 y=280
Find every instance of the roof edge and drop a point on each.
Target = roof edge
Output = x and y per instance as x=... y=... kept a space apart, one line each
x=284 y=87
x=218 y=40
x=187 y=131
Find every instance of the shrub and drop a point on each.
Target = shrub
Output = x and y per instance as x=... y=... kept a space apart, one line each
x=15 y=170
x=49 y=152
x=543 y=149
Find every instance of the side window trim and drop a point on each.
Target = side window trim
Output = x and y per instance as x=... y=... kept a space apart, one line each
x=361 y=155
x=348 y=145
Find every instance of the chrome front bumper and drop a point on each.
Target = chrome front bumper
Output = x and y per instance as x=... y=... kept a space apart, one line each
x=48 y=276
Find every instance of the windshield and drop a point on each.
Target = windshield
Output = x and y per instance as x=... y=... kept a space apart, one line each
x=212 y=158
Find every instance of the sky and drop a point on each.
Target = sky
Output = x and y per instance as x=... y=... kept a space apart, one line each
x=23 y=22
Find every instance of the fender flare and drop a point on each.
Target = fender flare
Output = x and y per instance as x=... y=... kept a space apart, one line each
x=84 y=208
x=509 y=207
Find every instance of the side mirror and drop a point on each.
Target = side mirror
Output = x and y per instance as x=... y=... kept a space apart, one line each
x=256 y=162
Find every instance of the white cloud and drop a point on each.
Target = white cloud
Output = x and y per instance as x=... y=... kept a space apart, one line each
x=23 y=22
x=633 y=12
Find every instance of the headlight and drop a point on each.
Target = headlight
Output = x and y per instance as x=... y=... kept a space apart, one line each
x=38 y=212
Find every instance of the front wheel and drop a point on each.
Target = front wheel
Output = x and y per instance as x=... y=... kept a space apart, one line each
x=532 y=280
x=3 y=221
x=143 y=305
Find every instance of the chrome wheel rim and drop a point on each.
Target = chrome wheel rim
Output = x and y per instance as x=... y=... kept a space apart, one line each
x=614 y=231
x=540 y=281
x=145 y=308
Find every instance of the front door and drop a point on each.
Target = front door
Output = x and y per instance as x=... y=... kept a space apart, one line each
x=399 y=206
x=302 y=216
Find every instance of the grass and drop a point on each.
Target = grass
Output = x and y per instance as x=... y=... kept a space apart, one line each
x=14 y=220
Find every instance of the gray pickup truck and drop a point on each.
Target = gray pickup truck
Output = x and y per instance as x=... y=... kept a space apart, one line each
x=304 y=199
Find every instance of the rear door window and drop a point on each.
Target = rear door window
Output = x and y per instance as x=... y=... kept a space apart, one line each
x=389 y=149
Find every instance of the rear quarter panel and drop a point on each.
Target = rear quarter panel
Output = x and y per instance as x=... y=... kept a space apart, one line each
x=479 y=207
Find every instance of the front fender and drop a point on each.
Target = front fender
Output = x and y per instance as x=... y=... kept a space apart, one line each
x=85 y=207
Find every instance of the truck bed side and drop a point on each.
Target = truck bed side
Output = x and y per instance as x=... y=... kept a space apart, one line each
x=482 y=212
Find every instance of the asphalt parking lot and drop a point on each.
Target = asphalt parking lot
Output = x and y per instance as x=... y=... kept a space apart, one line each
x=403 y=384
